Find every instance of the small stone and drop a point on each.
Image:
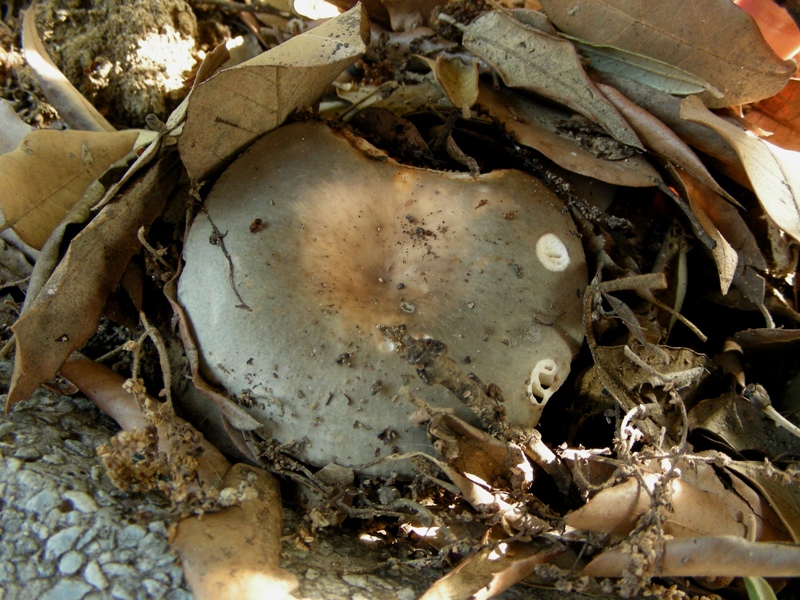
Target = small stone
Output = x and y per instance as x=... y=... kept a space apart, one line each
x=94 y=576
x=356 y=580
x=118 y=570
x=54 y=458
x=129 y=536
x=61 y=542
x=65 y=406
x=120 y=591
x=154 y=589
x=27 y=453
x=7 y=571
x=406 y=594
x=70 y=563
x=43 y=502
x=311 y=574
x=81 y=501
x=67 y=589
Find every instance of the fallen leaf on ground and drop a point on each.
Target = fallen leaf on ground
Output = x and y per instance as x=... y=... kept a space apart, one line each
x=688 y=35
x=459 y=80
x=706 y=557
x=773 y=171
x=33 y=205
x=535 y=125
x=66 y=312
x=237 y=105
x=76 y=110
x=234 y=554
x=491 y=570
x=725 y=256
x=700 y=507
x=780 y=116
x=531 y=60
x=659 y=138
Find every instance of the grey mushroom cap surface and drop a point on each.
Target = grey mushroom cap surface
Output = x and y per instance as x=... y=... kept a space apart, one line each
x=337 y=253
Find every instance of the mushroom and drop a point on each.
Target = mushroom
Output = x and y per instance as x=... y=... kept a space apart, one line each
x=317 y=258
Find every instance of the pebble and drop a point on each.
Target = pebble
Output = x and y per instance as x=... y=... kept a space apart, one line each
x=94 y=576
x=60 y=542
x=70 y=563
x=67 y=589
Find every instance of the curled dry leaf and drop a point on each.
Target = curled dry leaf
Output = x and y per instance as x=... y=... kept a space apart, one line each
x=773 y=171
x=666 y=108
x=237 y=105
x=724 y=556
x=33 y=205
x=701 y=506
x=535 y=125
x=783 y=496
x=537 y=62
x=659 y=138
x=76 y=110
x=725 y=256
x=234 y=554
x=688 y=35
x=644 y=69
x=491 y=570
x=66 y=312
x=459 y=80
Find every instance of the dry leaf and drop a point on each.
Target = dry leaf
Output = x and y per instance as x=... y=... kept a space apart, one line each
x=783 y=496
x=714 y=40
x=66 y=312
x=724 y=556
x=694 y=511
x=12 y=128
x=739 y=424
x=234 y=554
x=666 y=108
x=780 y=116
x=237 y=105
x=492 y=570
x=773 y=171
x=531 y=60
x=654 y=73
x=725 y=256
x=659 y=138
x=32 y=204
x=459 y=80
x=535 y=125
x=76 y=110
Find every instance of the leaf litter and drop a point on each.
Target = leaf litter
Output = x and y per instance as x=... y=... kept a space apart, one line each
x=636 y=466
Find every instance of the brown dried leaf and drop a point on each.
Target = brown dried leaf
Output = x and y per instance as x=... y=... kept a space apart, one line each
x=535 y=125
x=234 y=554
x=780 y=115
x=66 y=312
x=773 y=171
x=76 y=110
x=459 y=80
x=783 y=497
x=490 y=571
x=532 y=60
x=723 y=253
x=659 y=138
x=714 y=40
x=724 y=556
x=702 y=507
x=237 y=105
x=34 y=204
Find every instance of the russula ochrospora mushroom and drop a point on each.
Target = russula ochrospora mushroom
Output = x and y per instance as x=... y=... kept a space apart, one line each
x=331 y=254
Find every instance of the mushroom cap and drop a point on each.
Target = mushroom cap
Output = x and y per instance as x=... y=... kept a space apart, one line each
x=338 y=253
